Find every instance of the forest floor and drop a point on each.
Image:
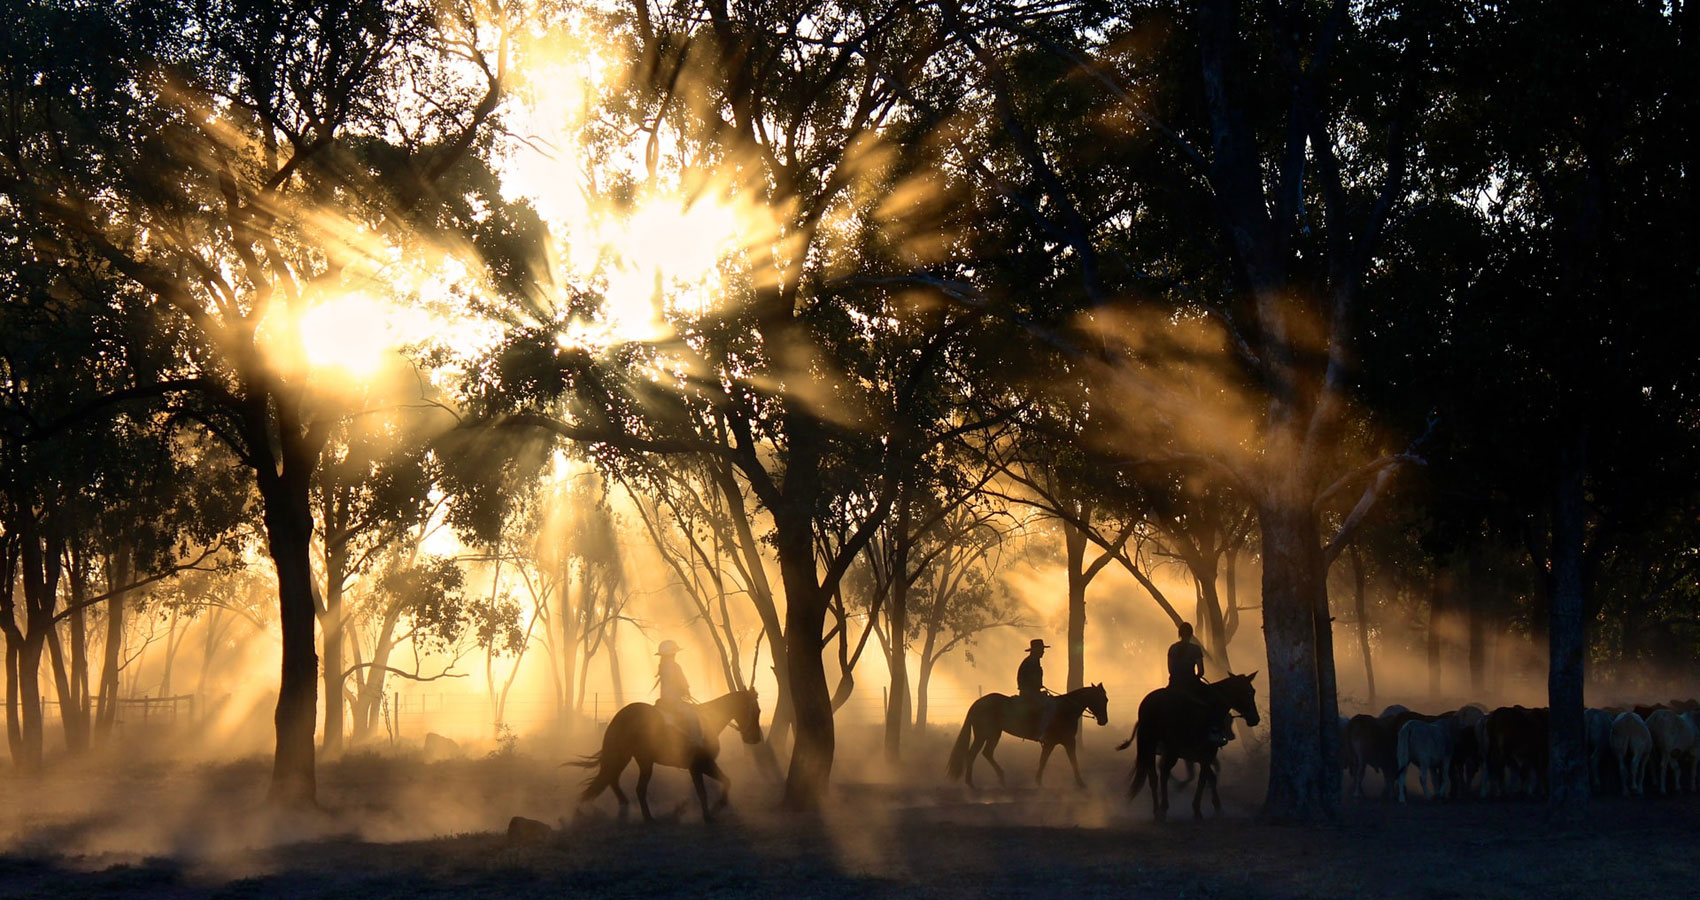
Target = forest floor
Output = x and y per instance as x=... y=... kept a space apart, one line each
x=396 y=826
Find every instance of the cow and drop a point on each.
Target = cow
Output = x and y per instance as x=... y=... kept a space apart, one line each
x=1466 y=746
x=1673 y=746
x=1632 y=743
x=1429 y=746
x=1516 y=740
x=1597 y=723
x=1368 y=745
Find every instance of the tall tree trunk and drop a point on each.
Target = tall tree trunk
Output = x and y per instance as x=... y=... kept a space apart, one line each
x=761 y=597
x=1567 y=777
x=372 y=687
x=172 y=642
x=1211 y=619
x=41 y=572
x=612 y=643
x=924 y=679
x=805 y=618
x=897 y=655
x=1303 y=775
x=289 y=532
x=334 y=634
x=29 y=696
x=1362 y=609
x=1074 y=541
x=569 y=639
x=61 y=684
x=74 y=708
x=14 y=726
x=112 y=651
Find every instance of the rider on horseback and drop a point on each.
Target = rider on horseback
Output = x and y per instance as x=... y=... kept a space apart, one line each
x=675 y=703
x=1030 y=687
x=1186 y=675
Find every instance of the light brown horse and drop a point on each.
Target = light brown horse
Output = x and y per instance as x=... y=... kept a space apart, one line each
x=640 y=732
x=991 y=717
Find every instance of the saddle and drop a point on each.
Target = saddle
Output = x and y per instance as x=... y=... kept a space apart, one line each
x=1197 y=693
x=1023 y=715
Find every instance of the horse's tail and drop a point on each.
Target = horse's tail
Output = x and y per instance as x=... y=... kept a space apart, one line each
x=959 y=752
x=1129 y=742
x=1143 y=767
x=594 y=784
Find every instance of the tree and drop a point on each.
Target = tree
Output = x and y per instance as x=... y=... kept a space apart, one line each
x=295 y=135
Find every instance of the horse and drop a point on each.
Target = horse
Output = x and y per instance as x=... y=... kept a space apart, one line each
x=640 y=732
x=991 y=717
x=1177 y=726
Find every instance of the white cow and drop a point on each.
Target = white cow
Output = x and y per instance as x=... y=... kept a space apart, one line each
x=1632 y=744
x=1429 y=745
x=1597 y=723
x=1673 y=745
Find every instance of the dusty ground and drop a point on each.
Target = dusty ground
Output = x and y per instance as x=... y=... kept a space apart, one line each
x=399 y=827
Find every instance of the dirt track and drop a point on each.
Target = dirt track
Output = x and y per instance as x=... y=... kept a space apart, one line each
x=408 y=829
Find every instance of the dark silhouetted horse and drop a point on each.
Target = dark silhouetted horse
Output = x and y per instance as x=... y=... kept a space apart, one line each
x=640 y=732
x=1174 y=725
x=994 y=715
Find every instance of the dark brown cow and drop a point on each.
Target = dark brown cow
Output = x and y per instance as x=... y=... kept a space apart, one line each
x=1516 y=739
x=1367 y=745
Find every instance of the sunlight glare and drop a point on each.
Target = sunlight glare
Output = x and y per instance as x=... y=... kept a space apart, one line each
x=353 y=334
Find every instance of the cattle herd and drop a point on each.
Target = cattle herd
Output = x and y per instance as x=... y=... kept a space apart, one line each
x=1629 y=749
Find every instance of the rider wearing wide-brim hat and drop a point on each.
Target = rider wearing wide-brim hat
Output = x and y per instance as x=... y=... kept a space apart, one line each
x=1030 y=677
x=1030 y=686
x=674 y=700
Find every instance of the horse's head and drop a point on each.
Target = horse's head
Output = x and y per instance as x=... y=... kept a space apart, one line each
x=1240 y=695
x=1098 y=703
x=748 y=717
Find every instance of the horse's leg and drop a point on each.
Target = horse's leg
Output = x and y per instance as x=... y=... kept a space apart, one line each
x=712 y=769
x=973 y=751
x=614 y=785
x=1215 y=779
x=1164 y=766
x=1204 y=775
x=702 y=792
x=1074 y=764
x=645 y=769
x=991 y=745
x=1045 y=749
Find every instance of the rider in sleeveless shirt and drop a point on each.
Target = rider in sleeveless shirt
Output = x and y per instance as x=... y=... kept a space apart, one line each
x=1186 y=674
x=675 y=703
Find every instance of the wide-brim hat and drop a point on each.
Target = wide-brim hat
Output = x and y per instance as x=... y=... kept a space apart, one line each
x=1037 y=644
x=667 y=648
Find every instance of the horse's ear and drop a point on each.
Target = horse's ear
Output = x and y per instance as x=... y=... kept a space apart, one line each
x=1251 y=676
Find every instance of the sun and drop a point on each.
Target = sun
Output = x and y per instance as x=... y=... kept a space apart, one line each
x=353 y=334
